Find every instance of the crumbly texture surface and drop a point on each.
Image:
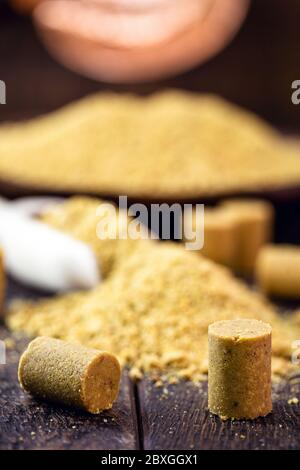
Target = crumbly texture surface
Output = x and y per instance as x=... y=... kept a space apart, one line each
x=172 y=144
x=70 y=374
x=239 y=374
x=154 y=306
x=239 y=330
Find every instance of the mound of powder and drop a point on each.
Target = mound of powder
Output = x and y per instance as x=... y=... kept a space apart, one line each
x=154 y=306
x=169 y=145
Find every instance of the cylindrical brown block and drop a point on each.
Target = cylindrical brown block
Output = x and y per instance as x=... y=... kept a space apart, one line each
x=254 y=228
x=239 y=373
x=219 y=237
x=278 y=270
x=70 y=374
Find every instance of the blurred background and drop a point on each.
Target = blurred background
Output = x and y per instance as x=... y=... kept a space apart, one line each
x=55 y=51
x=255 y=69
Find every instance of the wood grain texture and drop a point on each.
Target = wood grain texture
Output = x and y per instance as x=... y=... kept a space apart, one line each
x=26 y=423
x=177 y=418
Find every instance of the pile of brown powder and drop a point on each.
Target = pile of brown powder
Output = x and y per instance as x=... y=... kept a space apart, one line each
x=154 y=306
x=169 y=145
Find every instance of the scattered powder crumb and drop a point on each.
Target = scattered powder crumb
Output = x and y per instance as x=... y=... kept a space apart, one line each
x=154 y=305
x=173 y=380
x=135 y=373
x=32 y=433
x=242 y=436
x=293 y=401
x=158 y=383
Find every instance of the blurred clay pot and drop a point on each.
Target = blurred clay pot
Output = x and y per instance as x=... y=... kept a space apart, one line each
x=134 y=40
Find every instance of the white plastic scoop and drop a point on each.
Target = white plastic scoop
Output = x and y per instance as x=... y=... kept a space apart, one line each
x=41 y=256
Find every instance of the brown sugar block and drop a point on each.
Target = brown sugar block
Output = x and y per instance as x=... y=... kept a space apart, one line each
x=254 y=220
x=219 y=235
x=70 y=374
x=2 y=282
x=278 y=270
x=239 y=374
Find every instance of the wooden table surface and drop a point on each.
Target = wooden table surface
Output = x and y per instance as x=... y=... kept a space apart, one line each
x=144 y=416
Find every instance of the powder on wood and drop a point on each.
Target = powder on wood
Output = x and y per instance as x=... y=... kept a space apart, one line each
x=239 y=371
x=154 y=306
x=70 y=374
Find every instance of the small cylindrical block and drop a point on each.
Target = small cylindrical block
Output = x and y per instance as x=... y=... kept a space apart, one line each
x=278 y=270
x=239 y=374
x=254 y=228
x=71 y=374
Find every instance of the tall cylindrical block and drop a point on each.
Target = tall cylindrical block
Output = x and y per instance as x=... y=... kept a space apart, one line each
x=239 y=374
x=278 y=270
x=70 y=374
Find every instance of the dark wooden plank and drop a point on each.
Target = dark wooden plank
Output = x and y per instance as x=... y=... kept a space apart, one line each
x=176 y=417
x=26 y=423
